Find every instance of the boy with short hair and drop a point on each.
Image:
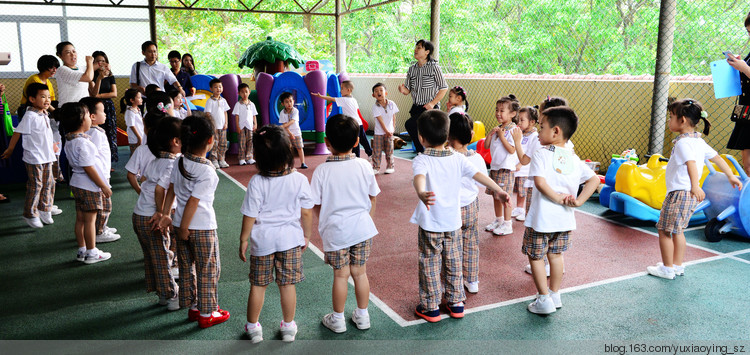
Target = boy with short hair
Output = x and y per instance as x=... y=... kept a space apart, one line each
x=384 y=112
x=349 y=107
x=557 y=173
x=289 y=119
x=97 y=136
x=217 y=107
x=38 y=154
x=246 y=117
x=344 y=190
x=437 y=180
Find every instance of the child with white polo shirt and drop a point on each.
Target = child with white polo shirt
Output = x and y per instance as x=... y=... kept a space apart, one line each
x=289 y=120
x=344 y=190
x=217 y=107
x=350 y=107
x=384 y=112
x=246 y=117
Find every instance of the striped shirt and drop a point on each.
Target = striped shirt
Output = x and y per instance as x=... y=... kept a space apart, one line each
x=424 y=82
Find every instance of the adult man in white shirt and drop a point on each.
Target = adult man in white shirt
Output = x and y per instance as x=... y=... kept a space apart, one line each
x=149 y=71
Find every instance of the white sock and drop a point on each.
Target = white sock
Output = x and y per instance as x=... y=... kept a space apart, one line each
x=81 y=250
x=94 y=251
x=338 y=315
x=667 y=269
x=361 y=311
x=552 y=292
x=457 y=304
x=499 y=219
x=508 y=222
x=252 y=325
x=285 y=324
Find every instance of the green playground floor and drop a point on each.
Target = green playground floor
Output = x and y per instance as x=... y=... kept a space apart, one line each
x=47 y=295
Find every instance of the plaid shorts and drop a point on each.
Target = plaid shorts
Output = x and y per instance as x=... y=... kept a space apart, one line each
x=87 y=201
x=439 y=254
x=529 y=190
x=40 y=189
x=246 y=144
x=200 y=269
x=518 y=187
x=288 y=266
x=156 y=258
x=536 y=245
x=502 y=177
x=380 y=145
x=219 y=150
x=356 y=254
x=676 y=210
x=297 y=142
x=470 y=240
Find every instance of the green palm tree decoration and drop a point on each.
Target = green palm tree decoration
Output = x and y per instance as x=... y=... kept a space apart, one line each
x=270 y=57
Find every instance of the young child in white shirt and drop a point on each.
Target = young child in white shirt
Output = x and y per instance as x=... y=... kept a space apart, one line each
x=88 y=181
x=438 y=173
x=350 y=107
x=459 y=136
x=217 y=107
x=246 y=117
x=276 y=226
x=501 y=145
x=38 y=155
x=557 y=173
x=179 y=105
x=457 y=102
x=133 y=119
x=289 y=119
x=344 y=190
x=384 y=111
x=95 y=106
x=159 y=106
x=683 y=184
x=527 y=135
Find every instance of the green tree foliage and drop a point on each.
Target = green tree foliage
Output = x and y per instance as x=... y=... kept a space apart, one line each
x=477 y=36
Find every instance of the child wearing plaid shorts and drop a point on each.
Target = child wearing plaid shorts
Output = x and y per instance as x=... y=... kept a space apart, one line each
x=557 y=173
x=87 y=182
x=500 y=142
x=438 y=173
x=157 y=256
x=384 y=111
x=38 y=155
x=344 y=190
x=683 y=184
x=289 y=119
x=217 y=107
x=276 y=225
x=246 y=117
x=350 y=107
x=460 y=136
x=192 y=185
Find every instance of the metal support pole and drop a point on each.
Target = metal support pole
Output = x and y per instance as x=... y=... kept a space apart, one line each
x=340 y=51
x=661 y=76
x=435 y=27
x=152 y=19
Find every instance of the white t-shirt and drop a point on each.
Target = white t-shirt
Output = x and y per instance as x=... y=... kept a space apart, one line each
x=100 y=140
x=286 y=117
x=38 y=146
x=545 y=216
x=158 y=172
x=457 y=109
x=685 y=150
x=134 y=122
x=69 y=88
x=349 y=107
x=529 y=151
x=218 y=109
x=246 y=113
x=443 y=177
x=181 y=113
x=157 y=74
x=138 y=162
x=81 y=152
x=501 y=158
x=469 y=186
x=201 y=187
x=526 y=142
x=343 y=190
x=388 y=114
x=276 y=203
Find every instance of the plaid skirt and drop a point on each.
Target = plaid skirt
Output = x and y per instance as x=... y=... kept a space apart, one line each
x=676 y=210
x=87 y=201
x=502 y=177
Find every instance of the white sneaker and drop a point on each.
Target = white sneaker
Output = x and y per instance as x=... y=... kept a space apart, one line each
x=503 y=229
x=555 y=296
x=251 y=161
x=223 y=164
x=46 y=217
x=55 y=210
x=107 y=237
x=288 y=333
x=521 y=217
x=375 y=171
x=336 y=325
x=390 y=171
x=81 y=256
x=95 y=258
x=33 y=222
x=661 y=271
x=679 y=270
x=215 y=163
x=546 y=268
x=242 y=162
x=362 y=322
x=516 y=211
x=173 y=303
x=111 y=230
x=492 y=226
x=543 y=304
x=472 y=287
x=255 y=334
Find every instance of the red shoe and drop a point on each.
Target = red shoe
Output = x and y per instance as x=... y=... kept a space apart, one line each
x=193 y=315
x=205 y=322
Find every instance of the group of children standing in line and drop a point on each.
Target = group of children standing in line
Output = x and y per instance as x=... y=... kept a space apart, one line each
x=176 y=185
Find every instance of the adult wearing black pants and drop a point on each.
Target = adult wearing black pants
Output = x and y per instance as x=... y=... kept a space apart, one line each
x=740 y=138
x=425 y=83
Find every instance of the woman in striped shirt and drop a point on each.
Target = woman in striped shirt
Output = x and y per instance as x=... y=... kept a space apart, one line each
x=425 y=83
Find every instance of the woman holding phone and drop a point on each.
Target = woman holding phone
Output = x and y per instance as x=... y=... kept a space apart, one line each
x=740 y=138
